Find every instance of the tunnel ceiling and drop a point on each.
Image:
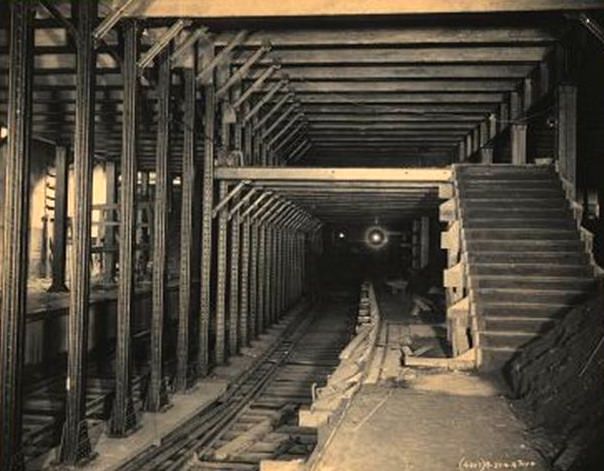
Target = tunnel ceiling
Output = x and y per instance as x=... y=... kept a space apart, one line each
x=361 y=93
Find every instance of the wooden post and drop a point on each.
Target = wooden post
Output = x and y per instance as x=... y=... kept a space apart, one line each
x=518 y=143
x=157 y=396
x=124 y=417
x=110 y=220
x=566 y=137
x=13 y=277
x=486 y=154
x=75 y=446
x=59 y=226
x=425 y=241
x=206 y=223
x=186 y=231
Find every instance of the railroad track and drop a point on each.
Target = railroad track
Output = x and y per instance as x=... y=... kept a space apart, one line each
x=256 y=418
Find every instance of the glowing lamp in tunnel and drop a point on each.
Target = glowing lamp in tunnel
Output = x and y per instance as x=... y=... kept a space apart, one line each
x=3 y=132
x=376 y=237
x=341 y=235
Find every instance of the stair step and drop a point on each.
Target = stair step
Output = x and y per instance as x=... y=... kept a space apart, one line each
x=480 y=191
x=477 y=246
x=505 y=339
x=515 y=204
x=505 y=172
x=549 y=257
x=517 y=234
x=522 y=309
x=532 y=325
x=496 y=358
x=526 y=223
x=516 y=212
x=531 y=282
x=513 y=295
x=529 y=269
x=508 y=185
x=479 y=168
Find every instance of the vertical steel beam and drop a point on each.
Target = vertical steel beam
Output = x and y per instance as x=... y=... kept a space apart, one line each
x=261 y=278
x=59 y=226
x=124 y=417
x=110 y=217
x=234 y=285
x=206 y=222
x=157 y=395
x=75 y=445
x=244 y=311
x=254 y=256
x=221 y=281
x=186 y=229
x=13 y=277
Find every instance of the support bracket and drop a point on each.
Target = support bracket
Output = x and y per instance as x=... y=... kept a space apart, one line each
x=162 y=42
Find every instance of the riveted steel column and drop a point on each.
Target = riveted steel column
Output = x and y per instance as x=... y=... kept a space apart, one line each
x=75 y=445
x=221 y=278
x=268 y=281
x=157 y=395
x=234 y=286
x=244 y=311
x=254 y=256
x=261 y=278
x=206 y=223
x=273 y=274
x=13 y=275
x=186 y=230
x=110 y=217
x=124 y=417
x=59 y=226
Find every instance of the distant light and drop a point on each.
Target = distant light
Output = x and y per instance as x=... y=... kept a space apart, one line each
x=376 y=237
x=341 y=235
x=3 y=132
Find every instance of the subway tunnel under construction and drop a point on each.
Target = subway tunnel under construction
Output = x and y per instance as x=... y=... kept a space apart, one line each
x=302 y=236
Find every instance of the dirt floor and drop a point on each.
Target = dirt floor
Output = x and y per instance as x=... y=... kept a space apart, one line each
x=427 y=419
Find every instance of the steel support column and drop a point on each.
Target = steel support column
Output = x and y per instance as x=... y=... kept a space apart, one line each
x=110 y=218
x=244 y=305
x=124 y=416
x=59 y=225
x=157 y=395
x=234 y=298
x=253 y=295
x=75 y=445
x=13 y=276
x=206 y=223
x=221 y=266
x=261 y=279
x=186 y=230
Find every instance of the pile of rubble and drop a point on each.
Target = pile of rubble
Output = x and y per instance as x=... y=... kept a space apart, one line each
x=559 y=384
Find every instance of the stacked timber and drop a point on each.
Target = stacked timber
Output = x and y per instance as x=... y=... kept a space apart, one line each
x=349 y=375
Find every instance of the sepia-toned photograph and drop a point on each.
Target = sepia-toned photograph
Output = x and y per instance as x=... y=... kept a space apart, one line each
x=301 y=235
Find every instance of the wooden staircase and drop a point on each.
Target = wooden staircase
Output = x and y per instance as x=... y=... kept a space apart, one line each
x=521 y=263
